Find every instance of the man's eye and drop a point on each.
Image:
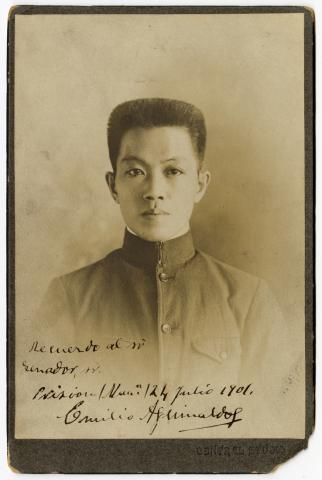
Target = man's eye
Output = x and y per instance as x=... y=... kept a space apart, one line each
x=134 y=172
x=172 y=172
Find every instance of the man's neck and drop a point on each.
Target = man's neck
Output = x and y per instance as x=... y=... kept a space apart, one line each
x=147 y=254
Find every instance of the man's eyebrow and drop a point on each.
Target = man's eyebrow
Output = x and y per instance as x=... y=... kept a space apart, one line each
x=132 y=158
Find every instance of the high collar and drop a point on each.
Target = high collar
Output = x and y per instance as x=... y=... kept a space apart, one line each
x=170 y=255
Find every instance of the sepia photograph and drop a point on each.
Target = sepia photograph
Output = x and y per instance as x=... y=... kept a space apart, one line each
x=161 y=285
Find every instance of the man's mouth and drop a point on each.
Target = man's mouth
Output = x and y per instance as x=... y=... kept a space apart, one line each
x=154 y=212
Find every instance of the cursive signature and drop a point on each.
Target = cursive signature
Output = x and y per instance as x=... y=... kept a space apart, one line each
x=156 y=413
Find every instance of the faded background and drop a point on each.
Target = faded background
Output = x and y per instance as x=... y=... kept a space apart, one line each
x=245 y=72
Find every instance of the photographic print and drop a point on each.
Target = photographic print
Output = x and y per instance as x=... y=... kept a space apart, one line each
x=161 y=237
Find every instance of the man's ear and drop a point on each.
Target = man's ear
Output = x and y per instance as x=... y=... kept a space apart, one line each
x=203 y=182
x=110 y=180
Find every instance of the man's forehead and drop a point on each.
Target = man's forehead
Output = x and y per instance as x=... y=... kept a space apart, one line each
x=165 y=142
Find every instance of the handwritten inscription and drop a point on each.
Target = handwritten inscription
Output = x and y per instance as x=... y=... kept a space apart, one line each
x=119 y=343
x=163 y=409
x=149 y=390
x=58 y=368
x=154 y=415
x=74 y=385
x=72 y=369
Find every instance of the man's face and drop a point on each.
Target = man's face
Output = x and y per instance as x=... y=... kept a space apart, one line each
x=157 y=181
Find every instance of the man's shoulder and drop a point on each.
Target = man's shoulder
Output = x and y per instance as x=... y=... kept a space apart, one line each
x=235 y=278
x=90 y=273
x=249 y=296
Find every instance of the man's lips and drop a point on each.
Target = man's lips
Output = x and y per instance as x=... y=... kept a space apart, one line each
x=154 y=212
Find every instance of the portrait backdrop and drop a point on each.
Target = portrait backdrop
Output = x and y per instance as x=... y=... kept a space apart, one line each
x=246 y=74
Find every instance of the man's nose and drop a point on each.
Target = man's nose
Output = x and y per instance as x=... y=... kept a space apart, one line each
x=155 y=188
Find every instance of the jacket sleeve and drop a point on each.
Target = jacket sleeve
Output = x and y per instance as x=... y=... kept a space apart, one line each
x=270 y=361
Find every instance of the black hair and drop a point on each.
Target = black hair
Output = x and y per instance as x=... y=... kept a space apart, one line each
x=155 y=112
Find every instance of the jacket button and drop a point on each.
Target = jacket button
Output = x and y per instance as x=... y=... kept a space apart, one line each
x=166 y=328
x=163 y=277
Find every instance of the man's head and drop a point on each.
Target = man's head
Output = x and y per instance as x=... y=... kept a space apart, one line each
x=151 y=113
x=156 y=149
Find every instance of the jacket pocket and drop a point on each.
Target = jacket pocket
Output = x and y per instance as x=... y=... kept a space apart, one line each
x=219 y=349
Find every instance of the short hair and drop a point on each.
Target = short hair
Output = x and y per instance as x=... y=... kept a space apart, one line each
x=155 y=112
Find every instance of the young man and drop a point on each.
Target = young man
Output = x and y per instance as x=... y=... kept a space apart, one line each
x=198 y=319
